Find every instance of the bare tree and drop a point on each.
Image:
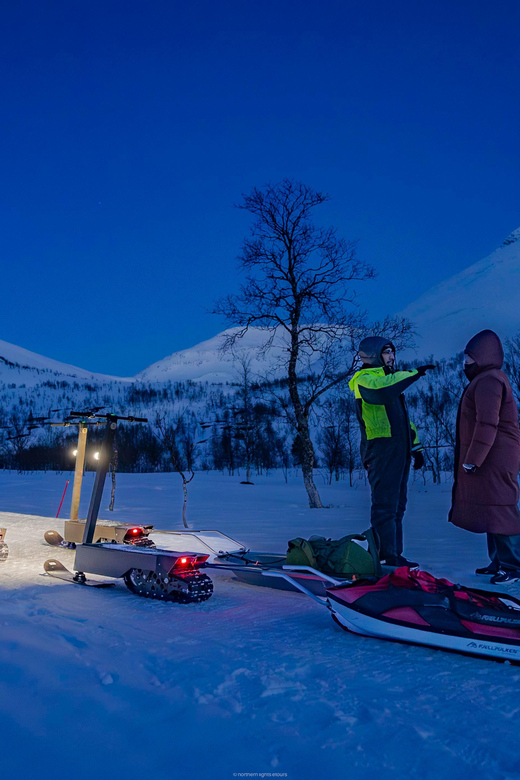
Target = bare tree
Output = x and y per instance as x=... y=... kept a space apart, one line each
x=283 y=455
x=339 y=435
x=512 y=364
x=330 y=439
x=435 y=411
x=298 y=287
x=180 y=445
x=15 y=439
x=113 y=470
x=245 y=429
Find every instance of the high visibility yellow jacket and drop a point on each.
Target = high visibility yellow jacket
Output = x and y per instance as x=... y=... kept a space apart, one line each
x=381 y=407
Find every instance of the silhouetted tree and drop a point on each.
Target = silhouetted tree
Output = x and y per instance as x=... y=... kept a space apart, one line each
x=298 y=283
x=339 y=436
x=179 y=444
x=512 y=364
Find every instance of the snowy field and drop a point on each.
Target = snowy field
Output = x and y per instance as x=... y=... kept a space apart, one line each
x=100 y=684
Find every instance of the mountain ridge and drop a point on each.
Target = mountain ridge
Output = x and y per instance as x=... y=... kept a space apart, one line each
x=484 y=295
x=21 y=360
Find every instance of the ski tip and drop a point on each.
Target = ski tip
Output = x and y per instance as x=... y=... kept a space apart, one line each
x=53 y=565
x=53 y=538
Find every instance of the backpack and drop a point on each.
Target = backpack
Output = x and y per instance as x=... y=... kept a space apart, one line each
x=342 y=557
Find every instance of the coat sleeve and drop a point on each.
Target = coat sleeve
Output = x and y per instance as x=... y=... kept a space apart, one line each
x=383 y=389
x=488 y=400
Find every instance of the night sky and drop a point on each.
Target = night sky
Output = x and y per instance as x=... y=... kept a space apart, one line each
x=130 y=129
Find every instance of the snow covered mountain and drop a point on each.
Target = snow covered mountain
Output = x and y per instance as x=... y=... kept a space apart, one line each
x=485 y=295
x=202 y=362
x=20 y=365
x=206 y=362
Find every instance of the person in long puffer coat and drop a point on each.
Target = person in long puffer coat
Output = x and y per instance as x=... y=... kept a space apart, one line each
x=487 y=458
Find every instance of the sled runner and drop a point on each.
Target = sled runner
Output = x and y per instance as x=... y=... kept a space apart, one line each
x=414 y=607
x=56 y=569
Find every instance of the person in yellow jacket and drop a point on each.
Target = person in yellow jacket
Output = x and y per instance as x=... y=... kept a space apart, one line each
x=389 y=441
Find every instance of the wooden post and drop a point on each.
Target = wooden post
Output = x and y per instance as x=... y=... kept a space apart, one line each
x=78 y=471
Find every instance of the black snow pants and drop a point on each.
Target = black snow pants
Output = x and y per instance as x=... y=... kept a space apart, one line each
x=387 y=462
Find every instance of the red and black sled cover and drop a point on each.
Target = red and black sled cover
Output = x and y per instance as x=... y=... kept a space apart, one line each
x=423 y=605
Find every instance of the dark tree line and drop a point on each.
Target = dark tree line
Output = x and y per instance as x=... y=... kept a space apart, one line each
x=245 y=433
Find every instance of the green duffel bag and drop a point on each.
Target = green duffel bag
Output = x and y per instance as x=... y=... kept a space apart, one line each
x=300 y=553
x=343 y=556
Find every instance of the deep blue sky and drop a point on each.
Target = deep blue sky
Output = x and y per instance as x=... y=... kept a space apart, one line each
x=129 y=129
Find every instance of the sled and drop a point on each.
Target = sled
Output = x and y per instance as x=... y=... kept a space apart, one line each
x=446 y=617
x=226 y=553
x=248 y=566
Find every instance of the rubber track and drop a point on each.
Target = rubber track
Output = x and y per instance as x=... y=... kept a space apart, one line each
x=189 y=589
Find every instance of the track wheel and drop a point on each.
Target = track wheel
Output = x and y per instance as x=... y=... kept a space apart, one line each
x=186 y=589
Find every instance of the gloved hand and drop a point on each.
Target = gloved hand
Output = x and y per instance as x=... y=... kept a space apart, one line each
x=469 y=468
x=423 y=369
x=418 y=460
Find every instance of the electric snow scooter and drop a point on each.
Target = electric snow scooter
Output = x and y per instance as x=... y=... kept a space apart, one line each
x=212 y=542
x=222 y=552
x=413 y=607
x=146 y=570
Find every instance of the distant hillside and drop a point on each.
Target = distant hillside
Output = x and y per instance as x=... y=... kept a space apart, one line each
x=204 y=362
x=22 y=366
x=485 y=295
x=207 y=363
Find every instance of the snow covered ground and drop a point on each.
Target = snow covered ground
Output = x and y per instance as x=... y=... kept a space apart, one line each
x=252 y=683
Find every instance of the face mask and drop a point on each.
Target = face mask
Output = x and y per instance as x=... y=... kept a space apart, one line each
x=470 y=370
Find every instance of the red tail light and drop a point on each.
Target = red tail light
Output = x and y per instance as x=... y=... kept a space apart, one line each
x=134 y=533
x=190 y=561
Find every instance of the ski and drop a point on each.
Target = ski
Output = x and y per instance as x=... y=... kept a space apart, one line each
x=57 y=569
x=56 y=540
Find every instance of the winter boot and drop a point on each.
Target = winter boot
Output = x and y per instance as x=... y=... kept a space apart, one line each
x=505 y=577
x=399 y=560
x=490 y=569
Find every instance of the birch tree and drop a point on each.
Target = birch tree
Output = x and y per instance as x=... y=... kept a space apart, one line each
x=298 y=286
